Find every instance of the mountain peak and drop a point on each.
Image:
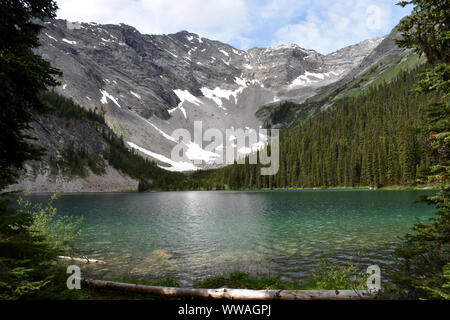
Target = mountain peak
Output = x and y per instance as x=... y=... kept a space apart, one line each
x=150 y=85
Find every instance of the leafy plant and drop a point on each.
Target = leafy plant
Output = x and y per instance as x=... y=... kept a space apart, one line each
x=329 y=276
x=58 y=232
x=31 y=239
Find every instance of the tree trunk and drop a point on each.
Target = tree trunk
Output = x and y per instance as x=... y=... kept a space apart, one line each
x=82 y=260
x=230 y=294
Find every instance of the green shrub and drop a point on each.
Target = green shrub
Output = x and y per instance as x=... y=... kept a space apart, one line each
x=144 y=185
x=329 y=276
x=31 y=239
x=59 y=231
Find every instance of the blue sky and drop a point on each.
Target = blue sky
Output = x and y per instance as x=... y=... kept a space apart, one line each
x=322 y=25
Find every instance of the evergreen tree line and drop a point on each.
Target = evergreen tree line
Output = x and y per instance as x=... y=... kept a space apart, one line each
x=63 y=107
x=74 y=162
x=370 y=140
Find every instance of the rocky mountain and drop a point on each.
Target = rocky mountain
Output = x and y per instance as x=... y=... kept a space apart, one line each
x=385 y=53
x=52 y=174
x=149 y=85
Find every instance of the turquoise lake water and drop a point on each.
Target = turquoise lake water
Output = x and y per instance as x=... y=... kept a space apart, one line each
x=192 y=235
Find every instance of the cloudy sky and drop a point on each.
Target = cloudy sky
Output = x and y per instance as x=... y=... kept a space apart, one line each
x=323 y=25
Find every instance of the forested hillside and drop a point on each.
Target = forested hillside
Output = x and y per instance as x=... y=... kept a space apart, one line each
x=372 y=139
x=368 y=140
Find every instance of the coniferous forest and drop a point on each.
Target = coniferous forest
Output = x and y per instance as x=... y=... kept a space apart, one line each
x=370 y=140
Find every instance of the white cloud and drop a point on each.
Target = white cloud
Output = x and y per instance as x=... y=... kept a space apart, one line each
x=374 y=17
x=329 y=26
x=279 y=9
x=323 y=25
x=218 y=19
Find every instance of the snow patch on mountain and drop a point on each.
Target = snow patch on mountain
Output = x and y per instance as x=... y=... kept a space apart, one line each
x=217 y=94
x=172 y=54
x=224 y=52
x=106 y=96
x=165 y=135
x=51 y=37
x=184 y=95
x=68 y=41
x=174 y=165
x=195 y=152
x=312 y=77
x=136 y=95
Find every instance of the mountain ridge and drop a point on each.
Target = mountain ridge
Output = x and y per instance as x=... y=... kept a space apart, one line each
x=149 y=85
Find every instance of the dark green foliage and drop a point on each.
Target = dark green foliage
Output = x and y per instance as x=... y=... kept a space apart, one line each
x=24 y=258
x=31 y=239
x=329 y=276
x=59 y=232
x=282 y=112
x=287 y=113
x=427 y=29
x=144 y=186
x=63 y=107
x=22 y=75
x=425 y=252
x=75 y=161
x=27 y=266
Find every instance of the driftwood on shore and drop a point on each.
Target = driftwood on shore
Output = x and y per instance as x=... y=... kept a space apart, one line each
x=82 y=260
x=230 y=294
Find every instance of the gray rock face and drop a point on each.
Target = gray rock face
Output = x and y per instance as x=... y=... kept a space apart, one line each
x=54 y=134
x=386 y=50
x=150 y=85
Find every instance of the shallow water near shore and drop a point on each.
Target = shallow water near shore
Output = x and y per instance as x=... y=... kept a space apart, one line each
x=193 y=235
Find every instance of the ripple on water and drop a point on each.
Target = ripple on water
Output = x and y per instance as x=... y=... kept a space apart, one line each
x=188 y=235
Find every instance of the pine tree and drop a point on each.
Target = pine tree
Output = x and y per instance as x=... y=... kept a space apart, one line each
x=25 y=255
x=425 y=252
x=23 y=74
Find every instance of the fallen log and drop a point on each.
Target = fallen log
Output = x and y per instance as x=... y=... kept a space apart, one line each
x=82 y=260
x=230 y=294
